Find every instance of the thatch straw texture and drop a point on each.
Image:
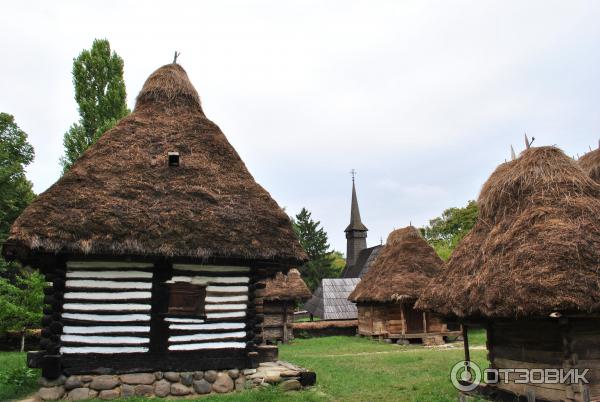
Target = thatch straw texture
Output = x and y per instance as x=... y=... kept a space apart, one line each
x=121 y=197
x=535 y=248
x=401 y=270
x=590 y=163
x=286 y=287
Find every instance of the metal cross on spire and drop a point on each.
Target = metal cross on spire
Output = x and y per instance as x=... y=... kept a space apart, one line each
x=353 y=173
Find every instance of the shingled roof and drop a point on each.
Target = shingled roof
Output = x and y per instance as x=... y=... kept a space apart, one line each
x=401 y=270
x=330 y=300
x=535 y=248
x=286 y=287
x=121 y=197
x=363 y=263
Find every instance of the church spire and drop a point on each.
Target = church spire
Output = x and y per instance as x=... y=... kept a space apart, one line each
x=356 y=231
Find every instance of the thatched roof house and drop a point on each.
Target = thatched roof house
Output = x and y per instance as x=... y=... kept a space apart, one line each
x=529 y=272
x=122 y=197
x=286 y=287
x=280 y=296
x=402 y=269
x=155 y=242
x=590 y=163
x=538 y=234
x=386 y=295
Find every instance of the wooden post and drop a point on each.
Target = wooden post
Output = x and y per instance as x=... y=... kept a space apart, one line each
x=403 y=319
x=465 y=333
x=285 y=323
x=424 y=322
x=371 y=328
x=159 y=329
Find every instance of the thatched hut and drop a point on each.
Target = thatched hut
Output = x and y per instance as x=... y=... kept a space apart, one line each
x=154 y=243
x=529 y=272
x=386 y=295
x=279 y=299
x=590 y=163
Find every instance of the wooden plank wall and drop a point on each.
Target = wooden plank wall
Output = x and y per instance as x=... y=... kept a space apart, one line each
x=279 y=317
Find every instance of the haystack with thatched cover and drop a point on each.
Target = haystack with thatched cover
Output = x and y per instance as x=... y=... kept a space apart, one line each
x=155 y=241
x=529 y=271
x=590 y=163
x=279 y=299
x=386 y=294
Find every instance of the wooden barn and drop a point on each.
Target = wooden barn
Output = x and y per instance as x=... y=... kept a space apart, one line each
x=279 y=299
x=529 y=273
x=386 y=295
x=590 y=163
x=153 y=244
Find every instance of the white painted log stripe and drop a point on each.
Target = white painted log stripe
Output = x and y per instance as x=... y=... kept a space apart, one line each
x=211 y=345
x=226 y=289
x=106 y=307
x=209 y=268
x=207 y=337
x=108 y=264
x=104 y=350
x=211 y=316
x=110 y=340
x=107 y=295
x=73 y=283
x=109 y=274
x=204 y=280
x=184 y=320
x=224 y=307
x=225 y=299
x=105 y=329
x=107 y=318
x=208 y=327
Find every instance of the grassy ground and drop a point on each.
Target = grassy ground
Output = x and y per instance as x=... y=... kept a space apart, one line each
x=351 y=369
x=16 y=380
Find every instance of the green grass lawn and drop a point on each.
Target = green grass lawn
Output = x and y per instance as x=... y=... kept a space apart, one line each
x=16 y=380
x=348 y=369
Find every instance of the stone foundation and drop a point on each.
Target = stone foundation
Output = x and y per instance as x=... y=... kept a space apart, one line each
x=172 y=384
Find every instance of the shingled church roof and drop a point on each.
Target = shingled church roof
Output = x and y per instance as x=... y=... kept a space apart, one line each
x=330 y=300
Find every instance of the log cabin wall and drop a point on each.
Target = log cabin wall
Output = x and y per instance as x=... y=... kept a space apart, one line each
x=373 y=319
x=226 y=303
x=548 y=344
x=278 y=321
x=111 y=316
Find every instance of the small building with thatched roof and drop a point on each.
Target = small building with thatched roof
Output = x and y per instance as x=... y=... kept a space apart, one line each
x=386 y=294
x=590 y=163
x=279 y=299
x=529 y=273
x=154 y=244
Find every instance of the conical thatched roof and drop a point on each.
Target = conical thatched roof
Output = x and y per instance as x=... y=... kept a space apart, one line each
x=590 y=163
x=121 y=197
x=401 y=270
x=535 y=248
x=286 y=287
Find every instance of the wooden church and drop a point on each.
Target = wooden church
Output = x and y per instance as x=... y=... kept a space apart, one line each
x=528 y=272
x=154 y=243
x=386 y=295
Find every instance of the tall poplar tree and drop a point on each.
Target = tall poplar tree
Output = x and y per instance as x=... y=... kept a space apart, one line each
x=101 y=96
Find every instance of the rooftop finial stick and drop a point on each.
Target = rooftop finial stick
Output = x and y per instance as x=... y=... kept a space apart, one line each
x=176 y=56
x=513 y=156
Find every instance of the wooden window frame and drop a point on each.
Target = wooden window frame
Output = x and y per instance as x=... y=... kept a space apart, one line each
x=180 y=295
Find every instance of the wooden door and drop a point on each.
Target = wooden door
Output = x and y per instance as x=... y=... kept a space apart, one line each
x=414 y=320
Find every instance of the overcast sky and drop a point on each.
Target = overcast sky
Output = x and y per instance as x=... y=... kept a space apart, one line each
x=422 y=98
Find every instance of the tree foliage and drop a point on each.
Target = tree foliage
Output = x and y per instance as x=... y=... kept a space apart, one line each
x=15 y=190
x=323 y=262
x=101 y=96
x=21 y=302
x=444 y=232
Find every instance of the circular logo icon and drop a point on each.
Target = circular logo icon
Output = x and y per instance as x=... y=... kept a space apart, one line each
x=465 y=376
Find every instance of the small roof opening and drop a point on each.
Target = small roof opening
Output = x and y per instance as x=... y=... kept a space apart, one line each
x=173 y=158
